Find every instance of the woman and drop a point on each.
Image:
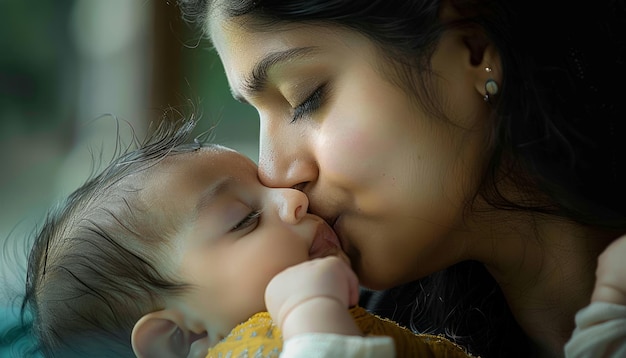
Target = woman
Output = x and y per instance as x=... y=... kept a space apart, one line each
x=466 y=152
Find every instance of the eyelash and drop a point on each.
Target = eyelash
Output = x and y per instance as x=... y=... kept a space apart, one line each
x=250 y=219
x=310 y=105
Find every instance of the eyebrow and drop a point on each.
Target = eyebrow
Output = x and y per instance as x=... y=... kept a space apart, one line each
x=257 y=80
x=208 y=196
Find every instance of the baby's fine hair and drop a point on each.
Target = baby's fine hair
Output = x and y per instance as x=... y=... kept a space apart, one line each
x=93 y=269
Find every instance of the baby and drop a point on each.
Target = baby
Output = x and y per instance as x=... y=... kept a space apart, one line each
x=173 y=248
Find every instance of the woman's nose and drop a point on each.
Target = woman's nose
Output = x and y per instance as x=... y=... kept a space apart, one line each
x=293 y=205
x=284 y=161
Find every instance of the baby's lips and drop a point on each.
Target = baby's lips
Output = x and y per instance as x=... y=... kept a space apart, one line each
x=325 y=242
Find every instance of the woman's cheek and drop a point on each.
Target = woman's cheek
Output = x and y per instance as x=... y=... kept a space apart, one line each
x=351 y=153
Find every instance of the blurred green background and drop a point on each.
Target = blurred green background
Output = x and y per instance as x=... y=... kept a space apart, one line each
x=65 y=63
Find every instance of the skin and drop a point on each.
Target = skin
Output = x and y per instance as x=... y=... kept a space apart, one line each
x=610 y=285
x=592 y=337
x=395 y=182
x=312 y=297
x=376 y=204
x=235 y=236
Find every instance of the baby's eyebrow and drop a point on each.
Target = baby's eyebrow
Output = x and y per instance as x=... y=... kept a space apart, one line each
x=257 y=80
x=218 y=187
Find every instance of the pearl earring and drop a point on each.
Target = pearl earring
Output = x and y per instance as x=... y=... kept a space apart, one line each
x=491 y=87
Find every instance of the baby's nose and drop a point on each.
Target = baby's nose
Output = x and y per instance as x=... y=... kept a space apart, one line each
x=294 y=205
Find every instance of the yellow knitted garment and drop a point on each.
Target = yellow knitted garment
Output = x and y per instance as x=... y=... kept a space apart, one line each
x=259 y=337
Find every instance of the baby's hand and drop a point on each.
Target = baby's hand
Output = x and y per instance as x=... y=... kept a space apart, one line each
x=611 y=274
x=314 y=296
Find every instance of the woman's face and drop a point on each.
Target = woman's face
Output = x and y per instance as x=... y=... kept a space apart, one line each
x=391 y=179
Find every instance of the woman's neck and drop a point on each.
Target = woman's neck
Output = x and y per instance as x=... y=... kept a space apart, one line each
x=545 y=268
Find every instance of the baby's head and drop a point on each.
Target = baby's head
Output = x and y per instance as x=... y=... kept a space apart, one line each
x=95 y=267
x=166 y=250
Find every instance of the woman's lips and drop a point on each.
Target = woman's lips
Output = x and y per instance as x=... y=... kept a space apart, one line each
x=325 y=242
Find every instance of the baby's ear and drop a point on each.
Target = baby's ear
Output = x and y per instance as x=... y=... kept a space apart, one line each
x=158 y=334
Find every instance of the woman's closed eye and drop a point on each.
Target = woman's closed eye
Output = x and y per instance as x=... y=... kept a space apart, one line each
x=251 y=219
x=309 y=105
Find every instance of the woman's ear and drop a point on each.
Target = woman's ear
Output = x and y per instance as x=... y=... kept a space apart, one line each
x=159 y=334
x=483 y=58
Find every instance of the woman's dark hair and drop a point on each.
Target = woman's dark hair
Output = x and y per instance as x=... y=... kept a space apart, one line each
x=93 y=269
x=558 y=120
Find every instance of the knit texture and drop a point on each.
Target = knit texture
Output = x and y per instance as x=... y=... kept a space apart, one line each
x=259 y=337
